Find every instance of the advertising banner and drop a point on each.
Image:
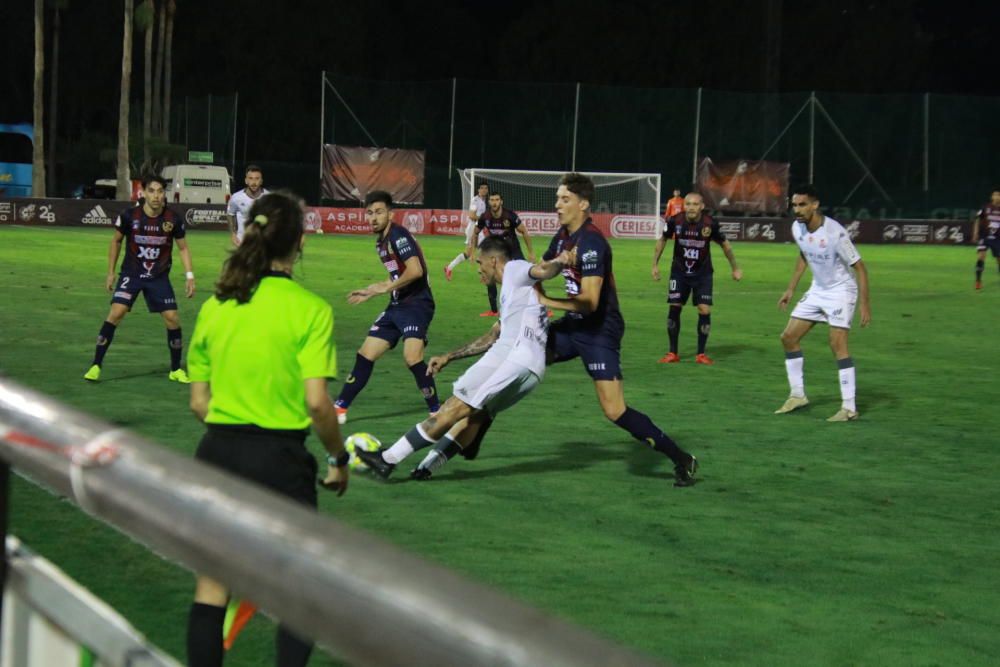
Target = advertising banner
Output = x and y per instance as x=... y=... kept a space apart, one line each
x=747 y=186
x=99 y=213
x=351 y=172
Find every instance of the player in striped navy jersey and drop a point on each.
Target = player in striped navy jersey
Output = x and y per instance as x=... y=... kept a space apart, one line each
x=986 y=235
x=409 y=313
x=149 y=231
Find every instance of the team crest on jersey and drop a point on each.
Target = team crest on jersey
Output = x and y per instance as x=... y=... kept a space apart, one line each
x=506 y=223
x=168 y=226
x=706 y=231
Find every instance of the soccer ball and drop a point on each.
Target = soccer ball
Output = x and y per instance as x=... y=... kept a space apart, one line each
x=364 y=441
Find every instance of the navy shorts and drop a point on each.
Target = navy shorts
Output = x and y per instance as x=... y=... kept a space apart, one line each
x=157 y=292
x=403 y=321
x=992 y=244
x=681 y=287
x=601 y=355
x=277 y=460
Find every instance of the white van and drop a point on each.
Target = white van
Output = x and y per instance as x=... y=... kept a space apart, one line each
x=197 y=184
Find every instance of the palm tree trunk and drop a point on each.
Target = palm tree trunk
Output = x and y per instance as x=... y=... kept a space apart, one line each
x=124 y=184
x=38 y=154
x=158 y=69
x=165 y=124
x=53 y=103
x=147 y=109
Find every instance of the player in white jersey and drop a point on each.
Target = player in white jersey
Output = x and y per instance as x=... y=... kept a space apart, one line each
x=476 y=208
x=240 y=203
x=513 y=365
x=826 y=248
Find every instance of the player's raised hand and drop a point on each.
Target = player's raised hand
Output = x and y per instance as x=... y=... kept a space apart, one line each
x=785 y=298
x=656 y=272
x=435 y=364
x=336 y=479
x=109 y=282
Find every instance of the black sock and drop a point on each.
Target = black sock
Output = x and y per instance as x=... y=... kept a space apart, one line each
x=104 y=339
x=292 y=650
x=426 y=385
x=979 y=272
x=704 y=326
x=176 y=344
x=204 y=635
x=643 y=429
x=356 y=381
x=673 y=327
x=491 y=292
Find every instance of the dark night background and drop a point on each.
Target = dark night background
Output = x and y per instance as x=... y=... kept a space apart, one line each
x=273 y=53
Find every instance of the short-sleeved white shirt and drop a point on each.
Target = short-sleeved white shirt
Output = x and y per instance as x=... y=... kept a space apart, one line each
x=239 y=206
x=524 y=322
x=477 y=206
x=829 y=253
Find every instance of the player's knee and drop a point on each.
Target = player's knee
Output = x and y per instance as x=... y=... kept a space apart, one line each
x=788 y=338
x=703 y=309
x=172 y=320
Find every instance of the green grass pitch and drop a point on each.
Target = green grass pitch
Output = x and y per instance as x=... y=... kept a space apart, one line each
x=805 y=542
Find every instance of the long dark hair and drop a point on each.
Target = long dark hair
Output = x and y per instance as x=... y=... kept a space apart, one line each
x=273 y=231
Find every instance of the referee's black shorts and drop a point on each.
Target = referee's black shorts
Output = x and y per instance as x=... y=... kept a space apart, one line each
x=277 y=459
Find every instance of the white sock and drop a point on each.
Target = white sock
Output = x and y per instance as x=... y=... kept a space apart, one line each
x=458 y=260
x=847 y=386
x=414 y=439
x=793 y=366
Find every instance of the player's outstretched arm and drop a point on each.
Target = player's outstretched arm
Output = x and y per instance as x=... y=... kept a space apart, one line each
x=861 y=272
x=471 y=349
x=584 y=303
x=553 y=267
x=800 y=268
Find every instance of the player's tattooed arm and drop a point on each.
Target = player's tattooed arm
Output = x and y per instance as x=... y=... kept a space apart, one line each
x=553 y=267
x=661 y=243
x=727 y=248
x=471 y=349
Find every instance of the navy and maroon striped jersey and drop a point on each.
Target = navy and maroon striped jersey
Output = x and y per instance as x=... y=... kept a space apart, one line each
x=989 y=223
x=692 y=247
x=593 y=258
x=397 y=246
x=505 y=227
x=148 y=241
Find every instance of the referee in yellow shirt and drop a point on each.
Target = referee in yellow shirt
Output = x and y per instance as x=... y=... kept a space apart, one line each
x=259 y=360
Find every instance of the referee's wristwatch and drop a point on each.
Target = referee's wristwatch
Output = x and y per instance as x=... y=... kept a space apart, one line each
x=338 y=461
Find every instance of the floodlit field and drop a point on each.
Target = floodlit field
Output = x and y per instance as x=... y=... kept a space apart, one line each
x=805 y=542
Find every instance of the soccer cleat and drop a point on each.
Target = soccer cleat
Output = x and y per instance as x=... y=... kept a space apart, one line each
x=979 y=284
x=375 y=462
x=793 y=403
x=341 y=414
x=703 y=359
x=94 y=374
x=180 y=375
x=421 y=474
x=489 y=313
x=447 y=272
x=844 y=415
x=669 y=358
x=684 y=472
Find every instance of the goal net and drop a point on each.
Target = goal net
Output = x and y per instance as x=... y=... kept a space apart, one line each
x=626 y=201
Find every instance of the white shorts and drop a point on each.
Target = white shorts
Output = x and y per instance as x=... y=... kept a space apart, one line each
x=494 y=387
x=836 y=308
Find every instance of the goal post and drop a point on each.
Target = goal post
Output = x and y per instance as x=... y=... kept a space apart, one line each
x=529 y=191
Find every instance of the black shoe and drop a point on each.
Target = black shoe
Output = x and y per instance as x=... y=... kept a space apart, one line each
x=375 y=462
x=684 y=472
x=472 y=451
x=421 y=474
